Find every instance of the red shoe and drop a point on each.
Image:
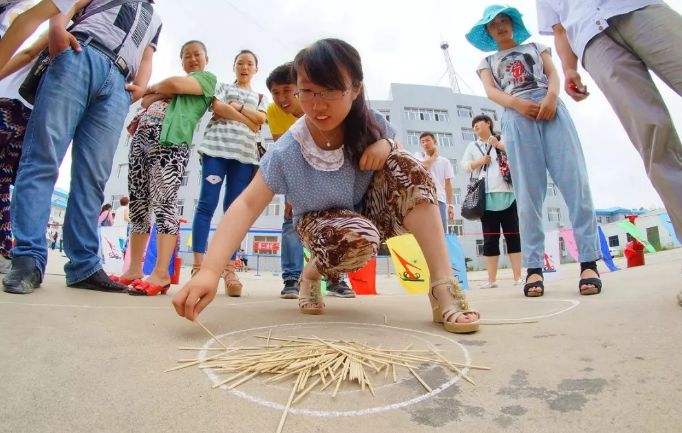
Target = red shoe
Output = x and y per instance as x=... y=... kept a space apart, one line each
x=120 y=280
x=145 y=288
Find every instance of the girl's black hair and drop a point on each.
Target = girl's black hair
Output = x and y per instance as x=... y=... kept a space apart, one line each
x=193 y=41
x=245 y=52
x=488 y=120
x=323 y=62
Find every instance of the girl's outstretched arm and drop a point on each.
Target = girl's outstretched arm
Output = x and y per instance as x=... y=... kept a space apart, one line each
x=528 y=108
x=234 y=225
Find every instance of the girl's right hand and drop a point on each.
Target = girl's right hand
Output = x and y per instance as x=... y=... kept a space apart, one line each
x=196 y=294
x=485 y=160
x=526 y=107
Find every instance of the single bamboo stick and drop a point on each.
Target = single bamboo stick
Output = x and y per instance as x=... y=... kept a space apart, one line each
x=210 y=333
x=286 y=408
x=428 y=388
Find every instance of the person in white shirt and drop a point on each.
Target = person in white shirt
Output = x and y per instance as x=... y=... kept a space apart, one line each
x=500 y=216
x=441 y=172
x=121 y=217
x=619 y=42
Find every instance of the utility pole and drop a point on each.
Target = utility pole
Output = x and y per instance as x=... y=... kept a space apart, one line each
x=451 y=69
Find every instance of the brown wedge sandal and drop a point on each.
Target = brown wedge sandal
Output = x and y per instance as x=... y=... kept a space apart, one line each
x=306 y=303
x=233 y=287
x=451 y=313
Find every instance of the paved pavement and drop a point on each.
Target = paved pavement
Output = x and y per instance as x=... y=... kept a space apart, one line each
x=81 y=361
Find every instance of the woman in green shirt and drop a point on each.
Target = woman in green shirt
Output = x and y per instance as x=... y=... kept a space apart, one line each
x=158 y=157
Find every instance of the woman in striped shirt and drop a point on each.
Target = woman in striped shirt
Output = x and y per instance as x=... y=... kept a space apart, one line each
x=228 y=154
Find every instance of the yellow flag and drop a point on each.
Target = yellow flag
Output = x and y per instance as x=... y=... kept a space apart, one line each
x=410 y=264
x=189 y=241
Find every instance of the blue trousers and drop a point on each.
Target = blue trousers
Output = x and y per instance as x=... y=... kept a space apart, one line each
x=292 y=252
x=534 y=148
x=81 y=97
x=215 y=171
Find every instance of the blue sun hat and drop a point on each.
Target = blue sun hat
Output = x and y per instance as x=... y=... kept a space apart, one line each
x=479 y=37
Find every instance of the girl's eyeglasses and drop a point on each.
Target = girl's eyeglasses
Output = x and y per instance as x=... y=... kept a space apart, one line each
x=305 y=95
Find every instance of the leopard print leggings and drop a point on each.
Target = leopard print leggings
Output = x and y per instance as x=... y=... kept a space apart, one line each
x=154 y=176
x=342 y=240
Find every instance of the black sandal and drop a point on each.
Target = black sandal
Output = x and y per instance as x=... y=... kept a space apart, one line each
x=596 y=282
x=535 y=284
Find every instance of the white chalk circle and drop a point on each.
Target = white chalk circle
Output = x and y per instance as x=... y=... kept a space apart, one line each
x=403 y=332
x=506 y=305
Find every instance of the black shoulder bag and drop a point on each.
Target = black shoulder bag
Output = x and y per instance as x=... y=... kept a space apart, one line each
x=473 y=205
x=29 y=87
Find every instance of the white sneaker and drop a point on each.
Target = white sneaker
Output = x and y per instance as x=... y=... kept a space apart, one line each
x=489 y=285
x=519 y=282
x=5 y=265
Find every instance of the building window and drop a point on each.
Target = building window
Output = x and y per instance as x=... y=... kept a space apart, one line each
x=465 y=111
x=553 y=214
x=441 y=116
x=456 y=228
x=628 y=237
x=455 y=167
x=490 y=113
x=444 y=139
x=468 y=134
x=613 y=241
x=122 y=168
x=116 y=200
x=413 y=138
x=479 y=247
x=181 y=207
x=386 y=114
x=427 y=114
x=185 y=178
x=551 y=189
x=458 y=196
x=273 y=207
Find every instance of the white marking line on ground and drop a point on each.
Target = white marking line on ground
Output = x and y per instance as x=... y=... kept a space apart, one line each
x=373 y=410
x=574 y=303
x=127 y=307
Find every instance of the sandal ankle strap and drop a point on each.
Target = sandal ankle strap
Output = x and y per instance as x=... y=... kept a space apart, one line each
x=454 y=288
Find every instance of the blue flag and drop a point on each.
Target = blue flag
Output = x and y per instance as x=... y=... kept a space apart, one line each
x=457 y=261
x=606 y=254
x=150 y=255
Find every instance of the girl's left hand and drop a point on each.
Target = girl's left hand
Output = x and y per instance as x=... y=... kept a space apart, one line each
x=374 y=157
x=547 y=108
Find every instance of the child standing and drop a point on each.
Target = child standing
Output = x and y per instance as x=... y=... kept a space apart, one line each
x=228 y=154
x=349 y=187
x=540 y=137
x=158 y=157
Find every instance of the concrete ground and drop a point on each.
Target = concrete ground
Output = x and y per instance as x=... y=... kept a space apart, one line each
x=81 y=361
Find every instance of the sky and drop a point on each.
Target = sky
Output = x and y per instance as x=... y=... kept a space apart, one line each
x=399 y=42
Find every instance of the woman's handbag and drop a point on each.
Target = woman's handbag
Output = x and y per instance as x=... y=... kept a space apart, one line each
x=473 y=205
x=29 y=87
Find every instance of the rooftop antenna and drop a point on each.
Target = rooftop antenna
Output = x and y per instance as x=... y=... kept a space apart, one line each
x=450 y=68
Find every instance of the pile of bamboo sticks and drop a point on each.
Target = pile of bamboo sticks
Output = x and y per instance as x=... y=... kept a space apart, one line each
x=317 y=362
